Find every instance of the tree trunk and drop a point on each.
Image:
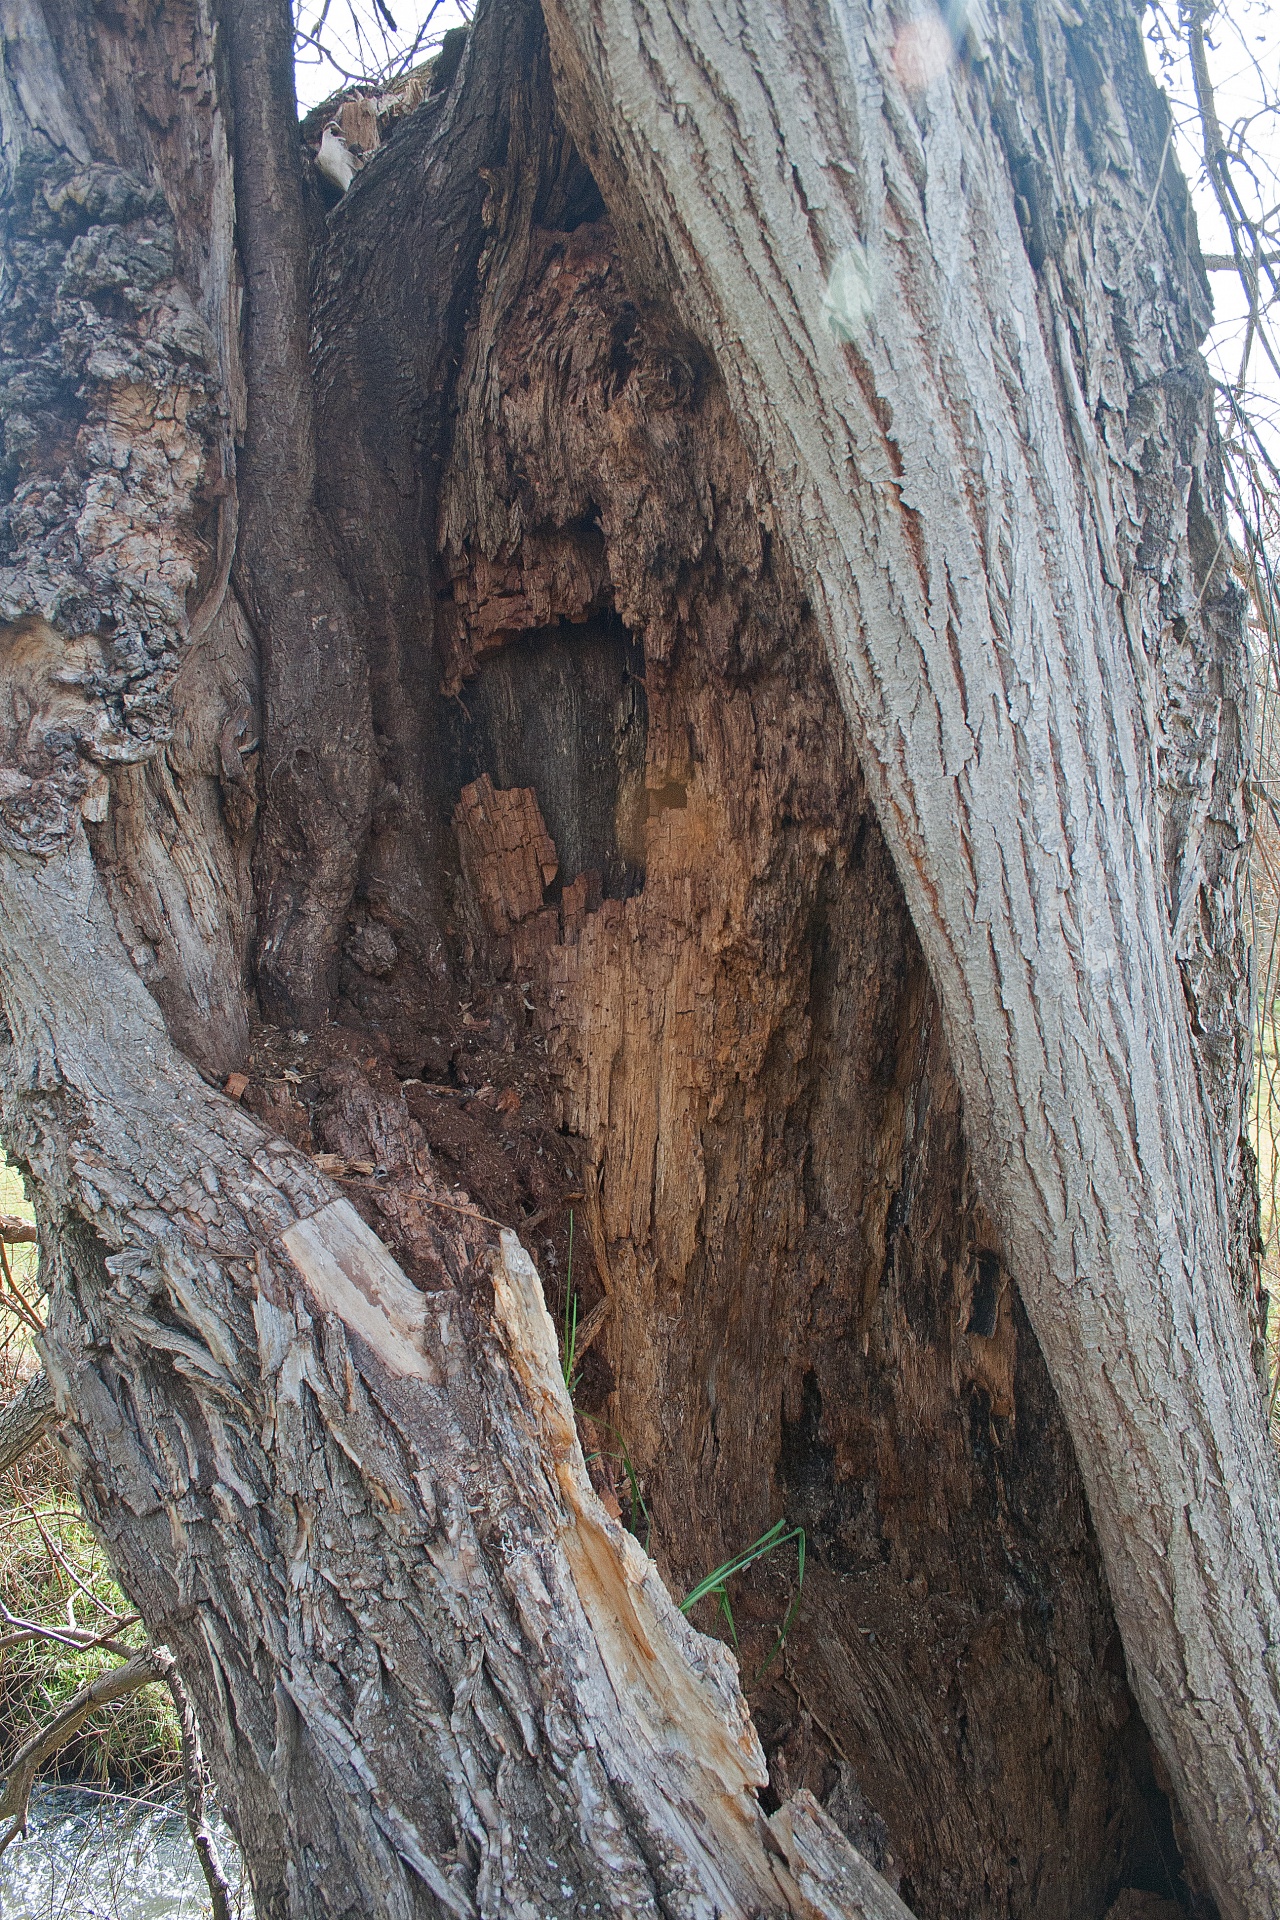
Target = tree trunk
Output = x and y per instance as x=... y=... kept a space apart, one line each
x=601 y=694
x=960 y=348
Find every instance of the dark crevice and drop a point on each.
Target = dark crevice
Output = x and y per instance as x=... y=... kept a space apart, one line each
x=562 y=711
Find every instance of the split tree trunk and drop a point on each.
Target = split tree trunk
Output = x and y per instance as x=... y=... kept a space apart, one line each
x=574 y=582
x=925 y=282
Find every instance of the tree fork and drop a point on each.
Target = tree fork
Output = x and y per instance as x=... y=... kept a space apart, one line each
x=355 y=1508
x=511 y=1709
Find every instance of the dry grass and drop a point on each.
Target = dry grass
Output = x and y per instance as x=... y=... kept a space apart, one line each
x=54 y=1574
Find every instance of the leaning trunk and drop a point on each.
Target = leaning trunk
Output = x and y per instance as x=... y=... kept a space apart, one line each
x=971 y=429
x=721 y=756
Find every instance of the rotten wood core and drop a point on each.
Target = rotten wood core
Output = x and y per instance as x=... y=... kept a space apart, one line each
x=692 y=1012
x=612 y=933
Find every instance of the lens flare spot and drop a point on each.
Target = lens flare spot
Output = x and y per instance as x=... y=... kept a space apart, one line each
x=923 y=51
x=851 y=294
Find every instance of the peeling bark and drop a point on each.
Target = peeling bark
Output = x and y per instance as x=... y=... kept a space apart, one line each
x=125 y=664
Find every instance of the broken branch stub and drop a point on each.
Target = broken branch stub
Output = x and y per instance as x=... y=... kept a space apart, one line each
x=26 y=1419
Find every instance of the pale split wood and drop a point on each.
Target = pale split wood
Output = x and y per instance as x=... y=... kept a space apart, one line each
x=831 y=1874
x=687 y=1711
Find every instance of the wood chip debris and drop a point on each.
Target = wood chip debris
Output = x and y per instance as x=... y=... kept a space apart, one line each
x=338 y=1165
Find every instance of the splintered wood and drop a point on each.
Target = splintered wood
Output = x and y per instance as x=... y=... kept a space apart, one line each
x=507 y=853
x=807 y=1309
x=551 y=579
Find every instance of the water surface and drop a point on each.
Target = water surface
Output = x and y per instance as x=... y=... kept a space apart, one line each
x=93 y=1855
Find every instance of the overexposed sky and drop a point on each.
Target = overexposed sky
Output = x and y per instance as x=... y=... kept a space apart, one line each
x=362 y=40
x=1243 y=53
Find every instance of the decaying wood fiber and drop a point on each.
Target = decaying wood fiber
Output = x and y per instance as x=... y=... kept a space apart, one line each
x=809 y=1312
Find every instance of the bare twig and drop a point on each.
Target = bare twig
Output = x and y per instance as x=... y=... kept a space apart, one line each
x=1248 y=254
x=18 y=1302
x=195 y=1788
x=363 y=45
x=59 y=1560
x=78 y=1637
x=1227 y=262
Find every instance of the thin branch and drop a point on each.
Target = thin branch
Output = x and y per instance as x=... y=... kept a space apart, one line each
x=19 y=1303
x=26 y=1419
x=56 y=1556
x=1217 y=165
x=195 y=1788
x=1227 y=262
x=143 y=1670
x=75 y=1637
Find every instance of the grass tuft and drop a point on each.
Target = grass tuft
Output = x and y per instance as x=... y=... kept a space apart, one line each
x=715 y=1585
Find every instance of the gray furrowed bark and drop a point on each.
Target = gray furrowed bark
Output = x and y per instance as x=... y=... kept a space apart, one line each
x=953 y=474
x=317 y=727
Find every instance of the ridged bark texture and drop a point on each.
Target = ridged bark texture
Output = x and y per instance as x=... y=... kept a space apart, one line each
x=971 y=430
